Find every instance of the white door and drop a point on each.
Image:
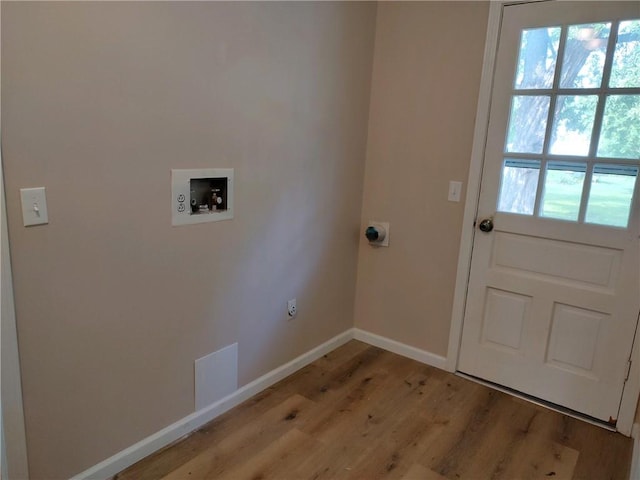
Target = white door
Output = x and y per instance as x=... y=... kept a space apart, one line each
x=554 y=293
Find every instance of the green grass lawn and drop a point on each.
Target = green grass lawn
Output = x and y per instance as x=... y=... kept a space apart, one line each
x=609 y=200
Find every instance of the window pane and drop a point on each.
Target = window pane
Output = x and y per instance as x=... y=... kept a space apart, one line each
x=537 y=58
x=625 y=71
x=584 y=55
x=573 y=124
x=518 y=186
x=620 y=133
x=527 y=123
x=562 y=190
x=611 y=194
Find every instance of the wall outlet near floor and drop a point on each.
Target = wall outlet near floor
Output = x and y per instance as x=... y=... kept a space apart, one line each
x=292 y=310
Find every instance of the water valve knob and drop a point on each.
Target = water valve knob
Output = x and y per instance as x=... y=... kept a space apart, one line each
x=372 y=234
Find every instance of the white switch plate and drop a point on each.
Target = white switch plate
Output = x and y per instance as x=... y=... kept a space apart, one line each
x=34 y=206
x=455 y=189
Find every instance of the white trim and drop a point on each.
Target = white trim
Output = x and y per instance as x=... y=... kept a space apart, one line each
x=473 y=185
x=13 y=439
x=14 y=442
x=631 y=392
x=408 y=351
x=3 y=454
x=173 y=432
x=145 y=447
x=635 y=458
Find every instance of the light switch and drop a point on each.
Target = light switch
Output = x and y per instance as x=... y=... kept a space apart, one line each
x=455 y=189
x=34 y=206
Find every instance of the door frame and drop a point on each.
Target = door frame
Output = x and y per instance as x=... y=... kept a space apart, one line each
x=14 y=444
x=631 y=390
x=13 y=440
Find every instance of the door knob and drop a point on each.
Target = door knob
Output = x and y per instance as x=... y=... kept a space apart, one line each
x=486 y=225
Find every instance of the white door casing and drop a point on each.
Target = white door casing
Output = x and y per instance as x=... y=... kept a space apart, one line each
x=552 y=305
x=14 y=443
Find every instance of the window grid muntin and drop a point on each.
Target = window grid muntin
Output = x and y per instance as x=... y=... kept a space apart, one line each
x=591 y=159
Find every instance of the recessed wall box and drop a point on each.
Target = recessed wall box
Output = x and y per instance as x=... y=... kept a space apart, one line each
x=377 y=233
x=201 y=195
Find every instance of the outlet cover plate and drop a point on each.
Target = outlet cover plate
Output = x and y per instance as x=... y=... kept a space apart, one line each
x=292 y=309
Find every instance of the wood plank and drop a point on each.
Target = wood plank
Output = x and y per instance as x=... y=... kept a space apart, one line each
x=418 y=472
x=276 y=460
x=361 y=412
x=165 y=460
x=603 y=454
x=365 y=416
x=340 y=356
x=425 y=432
x=246 y=442
x=501 y=453
x=542 y=459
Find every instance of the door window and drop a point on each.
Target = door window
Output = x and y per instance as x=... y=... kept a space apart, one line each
x=574 y=124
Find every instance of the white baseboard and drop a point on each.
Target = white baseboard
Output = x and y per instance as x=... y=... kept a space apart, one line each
x=127 y=457
x=408 y=351
x=145 y=447
x=635 y=459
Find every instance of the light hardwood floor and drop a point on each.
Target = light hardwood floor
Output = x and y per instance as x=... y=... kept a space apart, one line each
x=363 y=413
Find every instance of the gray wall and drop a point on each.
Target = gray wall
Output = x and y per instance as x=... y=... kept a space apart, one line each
x=424 y=93
x=99 y=102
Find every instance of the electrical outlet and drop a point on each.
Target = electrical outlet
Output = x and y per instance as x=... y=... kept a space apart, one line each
x=292 y=310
